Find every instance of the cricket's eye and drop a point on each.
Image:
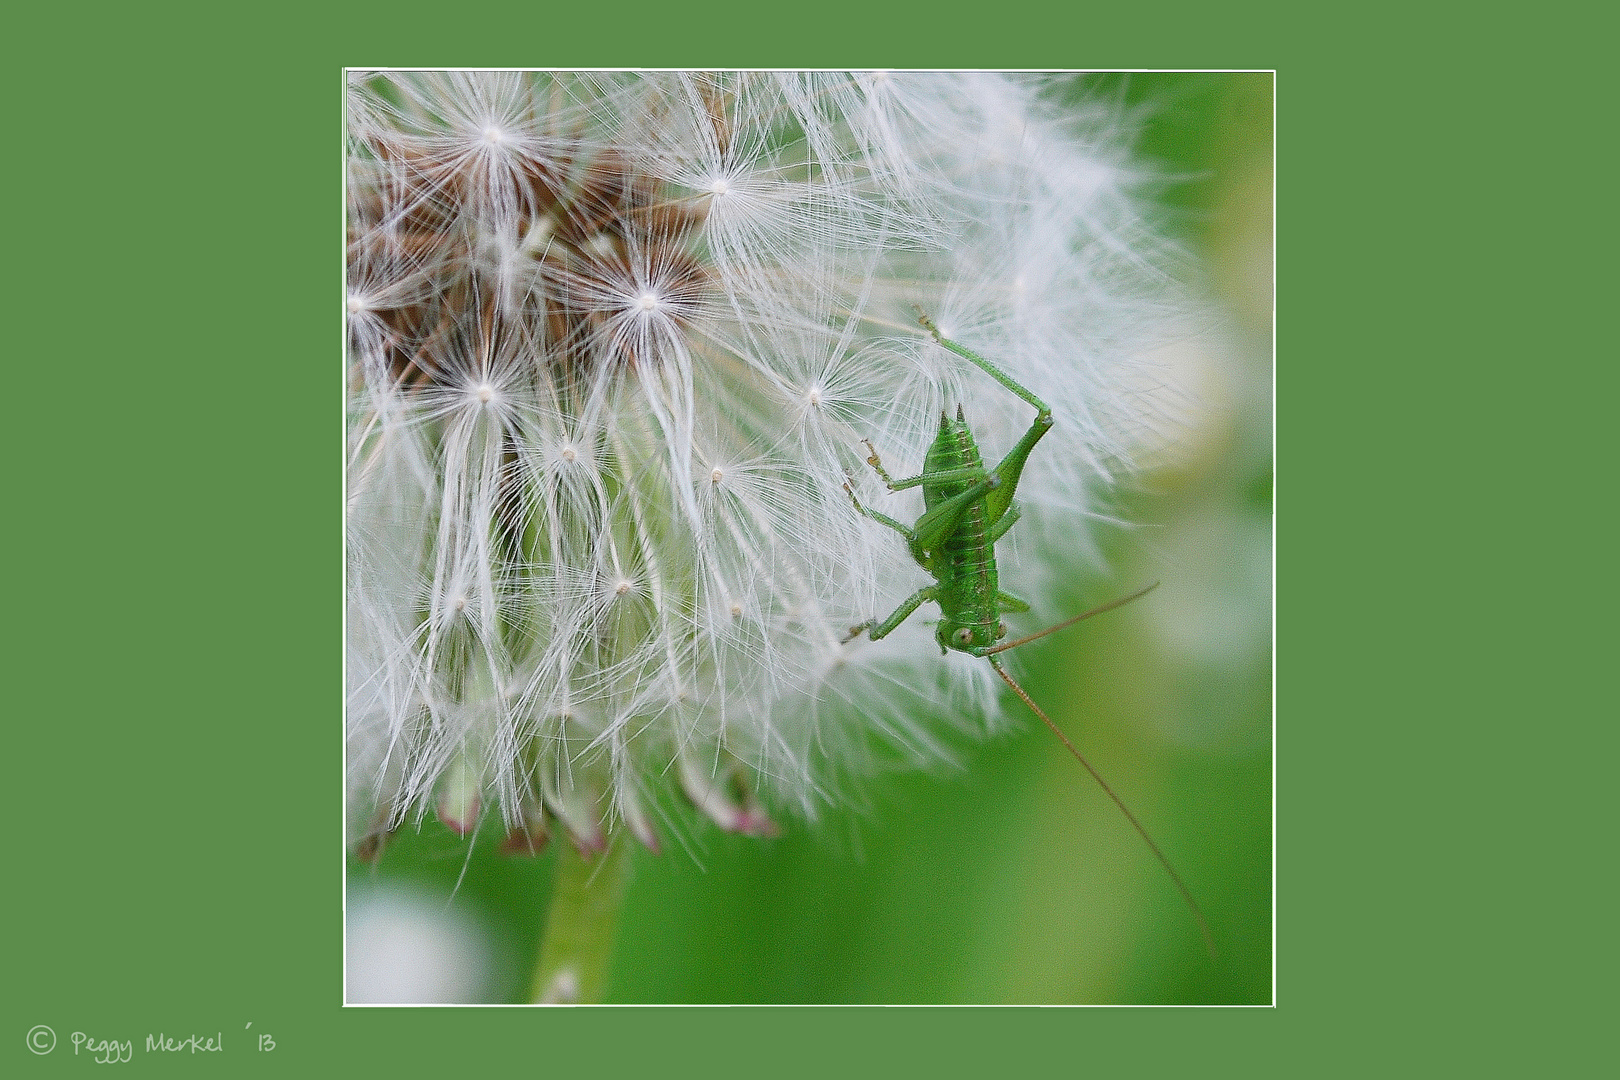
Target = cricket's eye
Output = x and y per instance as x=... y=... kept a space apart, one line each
x=963 y=636
x=1001 y=630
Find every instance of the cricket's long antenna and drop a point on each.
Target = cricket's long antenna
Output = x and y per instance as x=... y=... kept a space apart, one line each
x=1066 y=623
x=1186 y=894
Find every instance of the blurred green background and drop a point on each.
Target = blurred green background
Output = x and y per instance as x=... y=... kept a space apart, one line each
x=1016 y=880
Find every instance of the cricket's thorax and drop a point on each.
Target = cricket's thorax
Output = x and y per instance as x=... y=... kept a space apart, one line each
x=965 y=564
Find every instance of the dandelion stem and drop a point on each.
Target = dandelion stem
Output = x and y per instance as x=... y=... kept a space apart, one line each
x=577 y=943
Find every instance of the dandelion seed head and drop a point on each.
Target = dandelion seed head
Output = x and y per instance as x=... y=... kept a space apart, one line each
x=616 y=341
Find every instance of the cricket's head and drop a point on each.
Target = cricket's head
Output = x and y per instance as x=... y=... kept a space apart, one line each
x=969 y=637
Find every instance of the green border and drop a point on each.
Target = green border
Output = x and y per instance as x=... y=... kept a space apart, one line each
x=175 y=627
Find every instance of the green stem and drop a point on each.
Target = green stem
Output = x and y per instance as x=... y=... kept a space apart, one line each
x=586 y=898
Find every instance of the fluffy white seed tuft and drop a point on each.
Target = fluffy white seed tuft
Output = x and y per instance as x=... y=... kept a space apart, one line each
x=615 y=341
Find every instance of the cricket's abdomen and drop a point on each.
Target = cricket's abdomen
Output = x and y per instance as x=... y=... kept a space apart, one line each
x=965 y=563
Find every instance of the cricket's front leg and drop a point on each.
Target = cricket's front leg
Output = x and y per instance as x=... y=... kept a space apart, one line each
x=1008 y=602
x=900 y=614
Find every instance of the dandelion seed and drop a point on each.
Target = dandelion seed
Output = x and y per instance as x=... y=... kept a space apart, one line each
x=615 y=341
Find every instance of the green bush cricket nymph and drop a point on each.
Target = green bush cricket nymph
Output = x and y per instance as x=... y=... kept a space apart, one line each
x=966 y=509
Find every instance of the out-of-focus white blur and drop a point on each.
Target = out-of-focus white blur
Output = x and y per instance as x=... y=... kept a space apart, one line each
x=407 y=948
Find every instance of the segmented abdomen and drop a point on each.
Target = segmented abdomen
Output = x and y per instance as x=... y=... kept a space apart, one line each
x=965 y=564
